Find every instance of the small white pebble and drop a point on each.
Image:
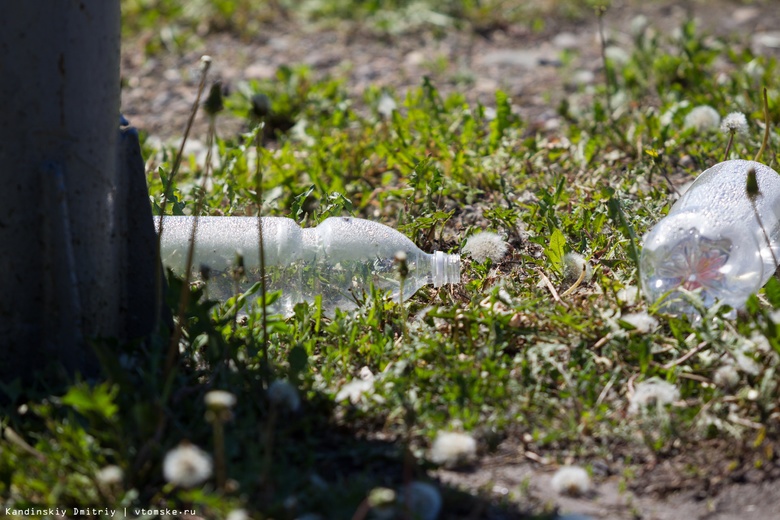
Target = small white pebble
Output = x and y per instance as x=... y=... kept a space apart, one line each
x=452 y=449
x=571 y=480
x=484 y=245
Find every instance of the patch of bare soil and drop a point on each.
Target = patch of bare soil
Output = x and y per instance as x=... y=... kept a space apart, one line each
x=714 y=480
x=158 y=91
x=722 y=480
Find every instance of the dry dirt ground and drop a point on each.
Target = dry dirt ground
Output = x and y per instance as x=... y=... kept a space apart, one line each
x=158 y=93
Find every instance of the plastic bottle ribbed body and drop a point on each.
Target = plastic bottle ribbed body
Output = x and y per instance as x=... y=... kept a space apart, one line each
x=715 y=238
x=341 y=259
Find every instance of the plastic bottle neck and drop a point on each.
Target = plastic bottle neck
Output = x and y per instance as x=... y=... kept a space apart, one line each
x=445 y=269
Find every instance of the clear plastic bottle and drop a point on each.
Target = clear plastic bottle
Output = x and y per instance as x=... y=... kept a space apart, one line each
x=712 y=239
x=339 y=259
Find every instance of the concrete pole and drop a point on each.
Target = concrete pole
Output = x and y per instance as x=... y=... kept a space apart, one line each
x=59 y=244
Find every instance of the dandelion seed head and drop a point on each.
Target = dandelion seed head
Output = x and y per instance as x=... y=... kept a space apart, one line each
x=571 y=480
x=735 y=123
x=617 y=54
x=638 y=25
x=651 y=392
x=726 y=376
x=283 y=394
x=754 y=69
x=484 y=245
x=381 y=500
x=187 y=465
x=423 y=500
x=452 y=449
x=386 y=105
x=702 y=118
x=759 y=342
x=219 y=400
x=746 y=363
x=573 y=264
x=354 y=390
x=628 y=295
x=110 y=475
x=237 y=514
x=641 y=321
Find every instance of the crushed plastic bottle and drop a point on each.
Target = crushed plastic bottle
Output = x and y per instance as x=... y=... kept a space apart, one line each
x=712 y=240
x=339 y=259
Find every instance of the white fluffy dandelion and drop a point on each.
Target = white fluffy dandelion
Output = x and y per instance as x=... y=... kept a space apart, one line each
x=638 y=25
x=617 y=55
x=746 y=363
x=571 y=480
x=386 y=105
x=187 y=465
x=355 y=389
x=651 y=392
x=484 y=245
x=641 y=321
x=702 y=118
x=237 y=514
x=283 y=394
x=628 y=295
x=573 y=265
x=726 y=376
x=734 y=123
x=422 y=499
x=452 y=449
x=110 y=475
x=219 y=400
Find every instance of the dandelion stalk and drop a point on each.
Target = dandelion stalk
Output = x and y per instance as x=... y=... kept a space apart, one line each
x=403 y=273
x=734 y=123
x=766 y=129
x=261 y=248
x=213 y=106
x=205 y=65
x=219 y=453
x=219 y=404
x=577 y=283
x=728 y=145
x=753 y=192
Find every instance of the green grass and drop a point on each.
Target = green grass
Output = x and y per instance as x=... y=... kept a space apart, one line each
x=496 y=356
